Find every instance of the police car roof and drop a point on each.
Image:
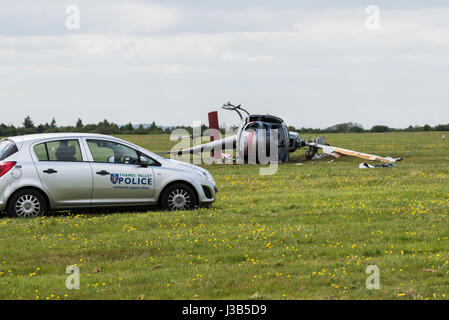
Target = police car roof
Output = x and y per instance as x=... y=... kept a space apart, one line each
x=64 y=135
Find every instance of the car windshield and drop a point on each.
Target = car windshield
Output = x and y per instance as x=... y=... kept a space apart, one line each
x=7 y=148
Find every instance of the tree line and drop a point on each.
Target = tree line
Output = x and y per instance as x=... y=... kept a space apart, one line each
x=106 y=127
x=358 y=128
x=103 y=127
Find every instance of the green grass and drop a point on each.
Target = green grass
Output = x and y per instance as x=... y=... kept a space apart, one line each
x=308 y=232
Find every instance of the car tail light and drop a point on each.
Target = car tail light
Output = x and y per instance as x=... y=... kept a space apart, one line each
x=5 y=167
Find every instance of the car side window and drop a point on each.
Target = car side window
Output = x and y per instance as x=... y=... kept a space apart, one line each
x=149 y=161
x=61 y=150
x=111 y=152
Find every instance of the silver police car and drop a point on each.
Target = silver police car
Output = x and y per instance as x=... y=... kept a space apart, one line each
x=43 y=172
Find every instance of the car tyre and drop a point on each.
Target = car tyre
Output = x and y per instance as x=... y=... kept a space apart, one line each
x=179 y=196
x=27 y=203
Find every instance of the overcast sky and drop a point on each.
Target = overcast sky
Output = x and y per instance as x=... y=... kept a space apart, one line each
x=313 y=63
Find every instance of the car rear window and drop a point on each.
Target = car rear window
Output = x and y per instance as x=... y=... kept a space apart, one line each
x=7 y=149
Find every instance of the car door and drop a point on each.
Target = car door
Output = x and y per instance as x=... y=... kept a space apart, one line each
x=118 y=176
x=62 y=171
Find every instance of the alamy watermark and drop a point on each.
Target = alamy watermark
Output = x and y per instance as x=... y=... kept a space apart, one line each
x=373 y=281
x=373 y=20
x=72 y=21
x=73 y=280
x=252 y=146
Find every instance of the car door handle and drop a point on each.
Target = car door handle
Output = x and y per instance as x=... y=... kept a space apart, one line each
x=50 y=171
x=102 y=172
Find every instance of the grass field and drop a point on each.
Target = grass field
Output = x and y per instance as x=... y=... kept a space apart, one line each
x=308 y=232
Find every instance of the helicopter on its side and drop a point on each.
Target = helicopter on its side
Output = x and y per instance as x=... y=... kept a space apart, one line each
x=254 y=132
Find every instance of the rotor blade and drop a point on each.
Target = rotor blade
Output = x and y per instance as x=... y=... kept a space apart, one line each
x=335 y=150
x=224 y=143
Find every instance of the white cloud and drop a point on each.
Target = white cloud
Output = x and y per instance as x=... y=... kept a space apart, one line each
x=26 y=17
x=127 y=17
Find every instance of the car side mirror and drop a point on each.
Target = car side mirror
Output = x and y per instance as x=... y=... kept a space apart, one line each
x=143 y=162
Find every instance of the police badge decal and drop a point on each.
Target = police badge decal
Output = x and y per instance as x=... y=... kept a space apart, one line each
x=114 y=178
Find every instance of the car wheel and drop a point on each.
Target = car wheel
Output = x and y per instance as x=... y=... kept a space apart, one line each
x=27 y=203
x=179 y=197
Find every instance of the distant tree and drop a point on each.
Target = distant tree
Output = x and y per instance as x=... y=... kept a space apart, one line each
x=357 y=128
x=79 y=124
x=310 y=130
x=107 y=128
x=380 y=128
x=345 y=127
x=28 y=123
x=90 y=128
x=8 y=130
x=128 y=128
x=40 y=128
x=427 y=127
x=153 y=126
x=140 y=129
x=442 y=127
x=53 y=123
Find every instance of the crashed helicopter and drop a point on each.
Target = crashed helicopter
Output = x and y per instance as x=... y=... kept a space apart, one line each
x=266 y=139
